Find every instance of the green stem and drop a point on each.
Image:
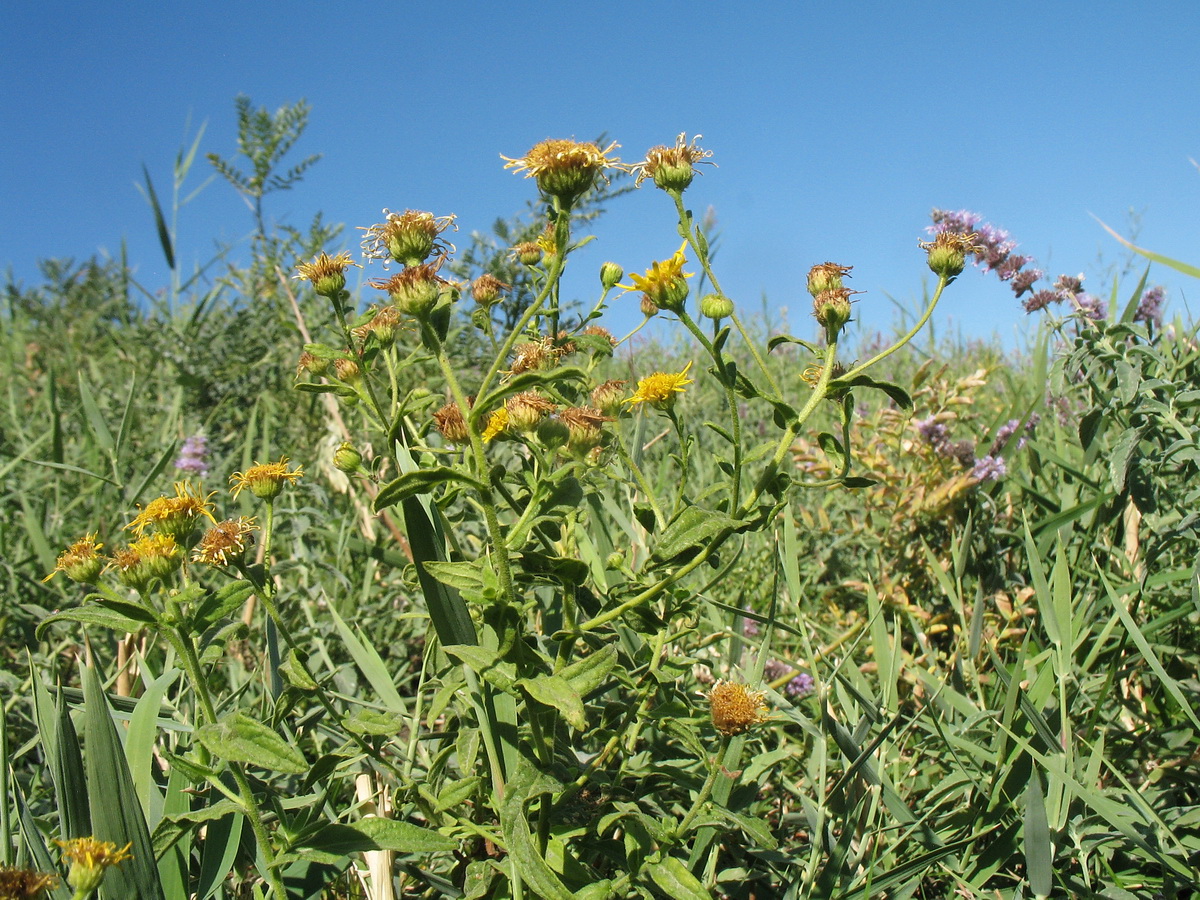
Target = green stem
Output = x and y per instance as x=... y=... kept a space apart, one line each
x=706 y=790
x=912 y=332
x=735 y=421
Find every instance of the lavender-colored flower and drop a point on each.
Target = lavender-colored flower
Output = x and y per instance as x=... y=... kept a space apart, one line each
x=989 y=468
x=1003 y=434
x=773 y=669
x=192 y=456
x=993 y=248
x=1040 y=300
x=1092 y=307
x=932 y=432
x=1068 y=286
x=750 y=626
x=1149 y=309
x=800 y=686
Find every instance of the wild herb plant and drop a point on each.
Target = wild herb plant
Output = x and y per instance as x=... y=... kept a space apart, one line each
x=534 y=631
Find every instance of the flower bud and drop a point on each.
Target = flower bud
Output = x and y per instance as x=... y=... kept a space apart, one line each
x=583 y=428
x=716 y=306
x=610 y=274
x=346 y=458
x=649 y=308
x=316 y=365
x=551 y=433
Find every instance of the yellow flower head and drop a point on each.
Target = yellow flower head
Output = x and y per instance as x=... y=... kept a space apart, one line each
x=265 y=480
x=327 y=273
x=88 y=858
x=564 y=168
x=81 y=561
x=672 y=168
x=24 y=884
x=665 y=283
x=176 y=516
x=409 y=238
x=659 y=389
x=223 y=541
x=497 y=425
x=735 y=708
x=153 y=556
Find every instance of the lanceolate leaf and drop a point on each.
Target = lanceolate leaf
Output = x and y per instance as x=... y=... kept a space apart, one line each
x=239 y=738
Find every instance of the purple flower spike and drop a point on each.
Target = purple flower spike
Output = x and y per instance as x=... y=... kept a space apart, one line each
x=1149 y=308
x=192 y=456
x=800 y=686
x=989 y=468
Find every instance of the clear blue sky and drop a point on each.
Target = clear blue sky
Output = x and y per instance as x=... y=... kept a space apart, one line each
x=835 y=126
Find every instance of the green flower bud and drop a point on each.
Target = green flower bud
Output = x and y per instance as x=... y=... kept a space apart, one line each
x=610 y=274
x=716 y=306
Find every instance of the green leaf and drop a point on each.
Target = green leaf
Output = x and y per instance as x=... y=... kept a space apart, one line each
x=112 y=614
x=522 y=848
x=692 y=528
x=116 y=812
x=833 y=449
x=370 y=664
x=239 y=738
x=673 y=878
x=486 y=662
x=556 y=692
x=374 y=833
x=1121 y=457
x=160 y=222
x=463 y=576
x=1039 y=854
x=898 y=394
x=218 y=604
x=588 y=673
x=422 y=481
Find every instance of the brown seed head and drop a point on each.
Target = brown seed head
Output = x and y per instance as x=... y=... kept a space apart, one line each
x=450 y=422
x=735 y=708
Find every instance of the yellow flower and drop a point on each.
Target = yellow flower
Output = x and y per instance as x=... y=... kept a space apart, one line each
x=223 y=540
x=497 y=423
x=672 y=168
x=327 y=273
x=176 y=516
x=564 y=168
x=88 y=858
x=81 y=561
x=735 y=708
x=265 y=480
x=659 y=389
x=24 y=884
x=665 y=283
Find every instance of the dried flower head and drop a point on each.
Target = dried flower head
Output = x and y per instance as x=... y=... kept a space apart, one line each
x=265 y=480
x=81 y=561
x=409 y=238
x=176 y=516
x=327 y=273
x=827 y=276
x=382 y=326
x=609 y=397
x=672 y=168
x=832 y=310
x=659 y=389
x=584 y=428
x=347 y=370
x=564 y=168
x=224 y=541
x=526 y=409
x=535 y=356
x=735 y=708
x=309 y=362
x=496 y=426
x=665 y=283
x=24 y=884
x=415 y=289
x=88 y=859
x=450 y=422
x=948 y=252
x=487 y=288
x=527 y=253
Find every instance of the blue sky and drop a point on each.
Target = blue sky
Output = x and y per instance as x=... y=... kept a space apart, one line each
x=836 y=127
